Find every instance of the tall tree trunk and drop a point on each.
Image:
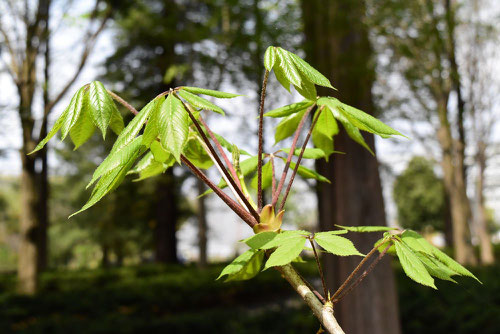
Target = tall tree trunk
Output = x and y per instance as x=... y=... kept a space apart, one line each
x=337 y=43
x=166 y=219
x=486 y=250
x=458 y=202
x=202 y=226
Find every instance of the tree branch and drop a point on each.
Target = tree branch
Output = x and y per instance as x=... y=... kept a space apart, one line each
x=123 y=102
x=260 y=134
x=290 y=155
x=297 y=164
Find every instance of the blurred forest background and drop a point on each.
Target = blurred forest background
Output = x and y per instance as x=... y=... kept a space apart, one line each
x=146 y=257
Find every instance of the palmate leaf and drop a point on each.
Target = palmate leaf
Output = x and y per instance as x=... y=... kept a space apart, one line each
x=309 y=72
x=83 y=129
x=307 y=90
x=72 y=113
x=269 y=58
x=335 y=244
x=199 y=102
x=322 y=136
x=288 y=251
x=412 y=266
x=209 y=92
x=288 y=68
x=173 y=126
x=197 y=155
x=289 y=109
x=287 y=126
x=268 y=239
x=159 y=153
x=101 y=106
x=244 y=267
x=148 y=167
x=111 y=180
x=309 y=153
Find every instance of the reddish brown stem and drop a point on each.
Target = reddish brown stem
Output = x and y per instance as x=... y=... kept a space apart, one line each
x=261 y=135
x=365 y=273
x=222 y=153
x=124 y=103
x=318 y=263
x=355 y=271
x=297 y=164
x=238 y=209
x=219 y=162
x=273 y=185
x=290 y=155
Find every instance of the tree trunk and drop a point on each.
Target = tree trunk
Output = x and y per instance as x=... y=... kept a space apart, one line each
x=338 y=45
x=455 y=190
x=486 y=250
x=166 y=219
x=202 y=226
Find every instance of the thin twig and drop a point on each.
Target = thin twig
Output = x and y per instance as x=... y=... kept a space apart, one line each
x=355 y=271
x=318 y=263
x=297 y=164
x=221 y=151
x=260 y=134
x=290 y=155
x=365 y=273
x=219 y=162
x=273 y=184
x=247 y=217
x=123 y=102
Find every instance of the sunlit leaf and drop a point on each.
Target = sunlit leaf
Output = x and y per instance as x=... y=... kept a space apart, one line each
x=214 y=93
x=199 y=102
x=412 y=266
x=289 y=109
x=335 y=244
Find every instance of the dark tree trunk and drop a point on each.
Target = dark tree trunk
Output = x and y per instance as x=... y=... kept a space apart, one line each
x=337 y=44
x=202 y=226
x=166 y=219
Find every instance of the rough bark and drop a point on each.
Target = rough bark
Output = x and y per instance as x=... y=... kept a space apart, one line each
x=202 y=226
x=166 y=219
x=338 y=45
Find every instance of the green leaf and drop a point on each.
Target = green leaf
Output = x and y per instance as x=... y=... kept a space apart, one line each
x=83 y=129
x=286 y=252
x=307 y=90
x=135 y=125
x=244 y=267
x=281 y=77
x=226 y=144
x=142 y=164
x=307 y=173
x=111 y=180
x=452 y=264
x=309 y=72
x=214 y=93
x=269 y=58
x=267 y=177
x=173 y=124
x=116 y=124
x=116 y=159
x=335 y=244
x=197 y=155
x=288 y=68
x=412 y=266
x=78 y=102
x=199 y=102
x=309 y=153
x=287 y=126
x=436 y=268
x=53 y=131
x=322 y=136
x=289 y=109
x=259 y=240
x=416 y=242
x=159 y=153
x=367 y=228
x=101 y=106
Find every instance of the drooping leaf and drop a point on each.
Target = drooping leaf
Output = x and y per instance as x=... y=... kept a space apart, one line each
x=307 y=90
x=452 y=264
x=286 y=252
x=244 y=267
x=159 y=153
x=436 y=268
x=116 y=159
x=116 y=124
x=288 y=68
x=214 y=93
x=266 y=241
x=367 y=228
x=197 y=155
x=335 y=244
x=148 y=167
x=269 y=58
x=416 y=242
x=110 y=181
x=287 y=126
x=309 y=153
x=199 y=102
x=289 y=109
x=309 y=72
x=77 y=104
x=173 y=125
x=412 y=266
x=83 y=129
x=101 y=106
x=281 y=77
